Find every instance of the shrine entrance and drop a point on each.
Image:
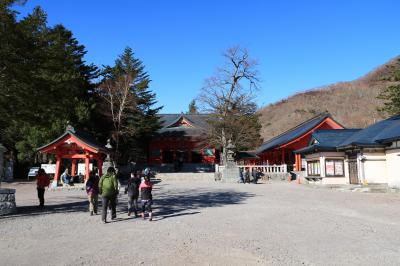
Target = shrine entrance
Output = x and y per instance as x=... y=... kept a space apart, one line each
x=76 y=145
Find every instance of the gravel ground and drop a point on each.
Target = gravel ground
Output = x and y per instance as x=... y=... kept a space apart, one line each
x=207 y=223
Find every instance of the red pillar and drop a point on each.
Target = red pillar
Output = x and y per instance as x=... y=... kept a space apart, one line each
x=73 y=167
x=283 y=157
x=87 y=170
x=58 y=165
x=298 y=162
x=161 y=156
x=100 y=166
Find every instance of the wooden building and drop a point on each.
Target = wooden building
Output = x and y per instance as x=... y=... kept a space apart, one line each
x=367 y=156
x=280 y=149
x=182 y=137
x=76 y=146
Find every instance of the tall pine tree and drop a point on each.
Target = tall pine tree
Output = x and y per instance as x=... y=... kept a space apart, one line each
x=140 y=119
x=44 y=81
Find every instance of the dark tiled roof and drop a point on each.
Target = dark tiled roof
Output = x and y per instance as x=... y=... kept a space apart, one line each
x=294 y=133
x=375 y=135
x=82 y=136
x=198 y=121
x=327 y=139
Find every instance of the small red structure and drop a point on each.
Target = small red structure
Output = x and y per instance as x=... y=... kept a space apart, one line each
x=75 y=145
x=280 y=149
x=182 y=137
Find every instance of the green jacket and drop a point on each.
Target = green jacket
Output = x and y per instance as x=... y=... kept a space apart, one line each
x=108 y=185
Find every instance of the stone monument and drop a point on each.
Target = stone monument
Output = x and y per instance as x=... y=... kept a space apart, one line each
x=230 y=173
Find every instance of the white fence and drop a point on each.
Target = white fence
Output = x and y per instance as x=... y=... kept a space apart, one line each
x=266 y=169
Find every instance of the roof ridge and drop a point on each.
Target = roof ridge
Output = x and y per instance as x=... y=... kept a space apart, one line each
x=326 y=114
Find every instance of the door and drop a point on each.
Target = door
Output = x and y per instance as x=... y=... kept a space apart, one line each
x=353 y=173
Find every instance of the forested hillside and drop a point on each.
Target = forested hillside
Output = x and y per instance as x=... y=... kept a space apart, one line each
x=354 y=104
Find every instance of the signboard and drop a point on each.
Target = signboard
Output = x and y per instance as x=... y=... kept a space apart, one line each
x=32 y=171
x=339 y=168
x=330 y=168
x=81 y=168
x=49 y=168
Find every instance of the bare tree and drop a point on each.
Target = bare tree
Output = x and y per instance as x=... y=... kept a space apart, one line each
x=229 y=97
x=120 y=102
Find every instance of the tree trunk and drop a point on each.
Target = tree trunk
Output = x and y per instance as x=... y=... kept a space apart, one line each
x=224 y=154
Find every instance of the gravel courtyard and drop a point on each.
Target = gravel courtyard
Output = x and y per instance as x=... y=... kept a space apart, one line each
x=208 y=223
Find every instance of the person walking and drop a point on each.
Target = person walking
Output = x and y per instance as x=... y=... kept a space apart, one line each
x=146 y=197
x=92 y=190
x=108 y=188
x=42 y=181
x=132 y=188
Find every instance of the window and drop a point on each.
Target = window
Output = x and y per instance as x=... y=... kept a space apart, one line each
x=334 y=167
x=313 y=168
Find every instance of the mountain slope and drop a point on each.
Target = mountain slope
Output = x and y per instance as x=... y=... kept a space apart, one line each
x=353 y=104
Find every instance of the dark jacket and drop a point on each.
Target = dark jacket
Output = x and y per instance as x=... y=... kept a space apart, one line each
x=132 y=188
x=92 y=186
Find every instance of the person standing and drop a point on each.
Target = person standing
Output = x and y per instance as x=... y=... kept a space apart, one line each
x=147 y=198
x=108 y=188
x=132 y=188
x=92 y=190
x=42 y=181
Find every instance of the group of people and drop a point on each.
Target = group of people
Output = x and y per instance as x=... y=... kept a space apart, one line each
x=247 y=177
x=108 y=188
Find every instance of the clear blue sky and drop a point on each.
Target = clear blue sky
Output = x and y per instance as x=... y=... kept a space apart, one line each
x=299 y=44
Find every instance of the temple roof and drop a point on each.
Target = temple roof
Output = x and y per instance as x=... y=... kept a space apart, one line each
x=295 y=132
x=327 y=140
x=82 y=136
x=183 y=124
x=375 y=135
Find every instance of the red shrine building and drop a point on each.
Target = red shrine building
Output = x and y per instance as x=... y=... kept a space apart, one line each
x=182 y=137
x=78 y=147
x=280 y=149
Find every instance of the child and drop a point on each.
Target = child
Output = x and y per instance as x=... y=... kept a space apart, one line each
x=92 y=190
x=147 y=198
x=132 y=188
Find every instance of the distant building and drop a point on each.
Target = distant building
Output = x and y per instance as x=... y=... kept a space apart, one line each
x=183 y=138
x=280 y=149
x=370 y=155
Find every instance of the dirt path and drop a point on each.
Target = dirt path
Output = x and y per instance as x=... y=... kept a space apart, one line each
x=207 y=223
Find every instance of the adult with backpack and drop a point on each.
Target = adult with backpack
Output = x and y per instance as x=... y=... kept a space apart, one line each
x=108 y=188
x=132 y=188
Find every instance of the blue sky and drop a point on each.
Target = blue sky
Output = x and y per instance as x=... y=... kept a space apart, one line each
x=299 y=44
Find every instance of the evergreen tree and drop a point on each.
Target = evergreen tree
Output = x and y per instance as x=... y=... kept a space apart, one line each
x=44 y=81
x=140 y=118
x=391 y=94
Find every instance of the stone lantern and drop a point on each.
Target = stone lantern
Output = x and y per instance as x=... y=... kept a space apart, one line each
x=230 y=153
x=231 y=171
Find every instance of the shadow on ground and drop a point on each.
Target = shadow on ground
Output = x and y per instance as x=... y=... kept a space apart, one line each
x=189 y=202
x=167 y=203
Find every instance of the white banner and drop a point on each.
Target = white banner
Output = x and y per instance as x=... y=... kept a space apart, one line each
x=81 y=168
x=49 y=168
